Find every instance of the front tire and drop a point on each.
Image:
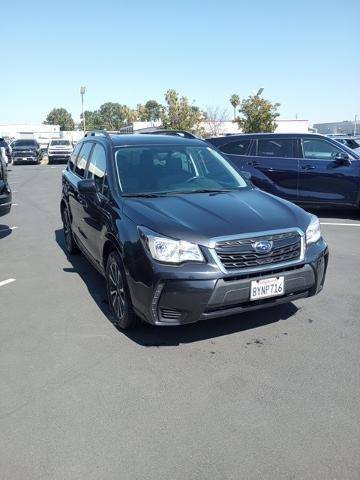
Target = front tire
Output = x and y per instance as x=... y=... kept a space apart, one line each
x=71 y=247
x=118 y=293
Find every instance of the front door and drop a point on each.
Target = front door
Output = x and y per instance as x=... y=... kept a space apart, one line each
x=93 y=211
x=322 y=179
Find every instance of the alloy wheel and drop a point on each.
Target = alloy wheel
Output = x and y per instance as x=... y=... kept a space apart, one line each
x=116 y=290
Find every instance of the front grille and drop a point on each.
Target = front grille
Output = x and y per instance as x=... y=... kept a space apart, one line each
x=239 y=253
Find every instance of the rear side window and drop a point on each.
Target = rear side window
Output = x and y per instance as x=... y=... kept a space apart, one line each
x=97 y=166
x=273 y=147
x=82 y=159
x=240 y=147
x=73 y=157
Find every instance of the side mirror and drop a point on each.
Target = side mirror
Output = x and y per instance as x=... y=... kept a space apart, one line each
x=342 y=159
x=87 y=187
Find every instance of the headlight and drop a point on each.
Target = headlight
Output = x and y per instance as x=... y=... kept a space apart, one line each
x=313 y=232
x=168 y=250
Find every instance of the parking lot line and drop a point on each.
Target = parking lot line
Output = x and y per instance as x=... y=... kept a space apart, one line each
x=341 y=224
x=6 y=282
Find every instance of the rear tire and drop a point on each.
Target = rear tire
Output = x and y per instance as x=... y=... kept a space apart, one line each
x=118 y=293
x=71 y=247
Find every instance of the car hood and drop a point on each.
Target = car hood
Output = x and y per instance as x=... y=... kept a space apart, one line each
x=200 y=217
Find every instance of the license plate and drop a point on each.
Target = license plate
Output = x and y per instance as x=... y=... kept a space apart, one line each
x=266 y=288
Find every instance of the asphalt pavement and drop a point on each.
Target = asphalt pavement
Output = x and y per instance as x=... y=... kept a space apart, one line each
x=273 y=394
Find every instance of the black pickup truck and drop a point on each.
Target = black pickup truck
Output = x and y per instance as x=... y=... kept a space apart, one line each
x=5 y=192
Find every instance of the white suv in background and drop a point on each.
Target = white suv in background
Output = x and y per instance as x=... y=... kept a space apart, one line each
x=59 y=149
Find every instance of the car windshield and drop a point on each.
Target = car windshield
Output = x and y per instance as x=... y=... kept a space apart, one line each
x=24 y=143
x=174 y=169
x=60 y=142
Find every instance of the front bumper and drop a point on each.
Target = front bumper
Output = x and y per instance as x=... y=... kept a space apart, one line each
x=24 y=158
x=59 y=156
x=176 y=301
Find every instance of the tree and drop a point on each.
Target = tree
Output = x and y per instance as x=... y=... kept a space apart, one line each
x=60 y=116
x=150 y=112
x=235 y=102
x=214 y=118
x=257 y=115
x=110 y=116
x=179 y=114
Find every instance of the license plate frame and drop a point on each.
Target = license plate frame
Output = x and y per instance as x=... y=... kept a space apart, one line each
x=267 y=288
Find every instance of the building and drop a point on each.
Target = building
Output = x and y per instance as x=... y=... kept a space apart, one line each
x=227 y=127
x=346 y=127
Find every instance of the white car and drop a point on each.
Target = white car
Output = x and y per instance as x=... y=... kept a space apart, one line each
x=59 y=150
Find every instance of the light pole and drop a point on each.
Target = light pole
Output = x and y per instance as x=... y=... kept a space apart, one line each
x=82 y=93
x=355 y=122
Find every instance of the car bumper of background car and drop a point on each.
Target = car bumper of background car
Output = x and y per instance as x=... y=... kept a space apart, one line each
x=24 y=158
x=60 y=157
x=188 y=300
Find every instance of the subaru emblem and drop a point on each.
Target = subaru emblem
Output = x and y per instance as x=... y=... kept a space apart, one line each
x=263 y=246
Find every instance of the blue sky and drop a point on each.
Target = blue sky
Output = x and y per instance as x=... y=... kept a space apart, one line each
x=306 y=54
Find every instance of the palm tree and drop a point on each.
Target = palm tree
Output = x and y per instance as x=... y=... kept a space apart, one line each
x=235 y=102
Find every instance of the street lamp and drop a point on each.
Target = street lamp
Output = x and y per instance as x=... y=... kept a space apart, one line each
x=82 y=93
x=259 y=92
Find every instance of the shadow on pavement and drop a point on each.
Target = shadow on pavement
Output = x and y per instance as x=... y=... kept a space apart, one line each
x=149 y=336
x=5 y=231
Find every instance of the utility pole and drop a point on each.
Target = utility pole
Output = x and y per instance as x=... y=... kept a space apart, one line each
x=82 y=93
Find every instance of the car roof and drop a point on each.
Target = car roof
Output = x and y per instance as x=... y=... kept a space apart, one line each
x=138 y=139
x=265 y=135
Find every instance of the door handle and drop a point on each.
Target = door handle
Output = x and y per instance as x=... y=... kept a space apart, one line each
x=308 y=167
x=253 y=164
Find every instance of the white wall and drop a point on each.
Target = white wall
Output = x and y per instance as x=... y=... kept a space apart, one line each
x=228 y=126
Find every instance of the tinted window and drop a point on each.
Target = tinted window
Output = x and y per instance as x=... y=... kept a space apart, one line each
x=274 y=147
x=64 y=143
x=82 y=159
x=97 y=165
x=25 y=143
x=240 y=147
x=74 y=156
x=316 y=148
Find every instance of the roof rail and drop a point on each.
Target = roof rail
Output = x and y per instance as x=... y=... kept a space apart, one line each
x=162 y=131
x=99 y=132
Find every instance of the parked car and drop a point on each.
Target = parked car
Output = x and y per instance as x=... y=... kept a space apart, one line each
x=5 y=191
x=26 y=150
x=309 y=169
x=350 y=142
x=180 y=235
x=59 y=150
x=5 y=144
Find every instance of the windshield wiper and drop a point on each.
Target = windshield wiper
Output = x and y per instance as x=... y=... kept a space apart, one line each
x=142 y=195
x=207 y=190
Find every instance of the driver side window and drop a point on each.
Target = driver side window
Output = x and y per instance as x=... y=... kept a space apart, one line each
x=318 y=149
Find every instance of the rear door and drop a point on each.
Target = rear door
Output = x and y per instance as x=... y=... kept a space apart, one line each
x=274 y=166
x=322 y=179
